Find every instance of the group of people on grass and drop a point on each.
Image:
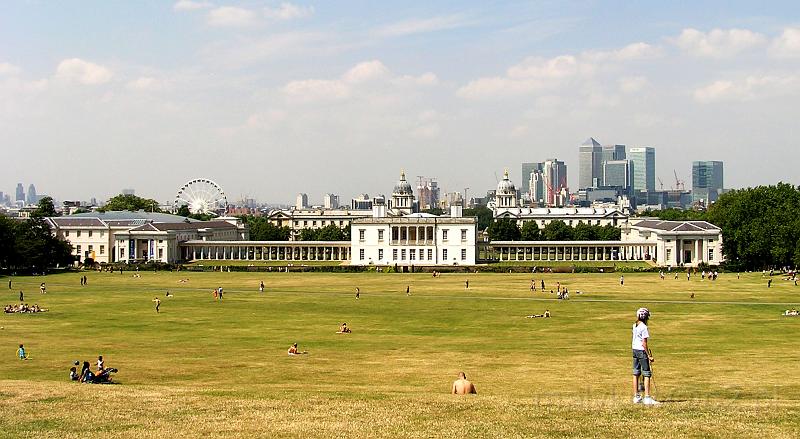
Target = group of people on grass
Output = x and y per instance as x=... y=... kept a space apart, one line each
x=23 y=308
x=791 y=313
x=101 y=376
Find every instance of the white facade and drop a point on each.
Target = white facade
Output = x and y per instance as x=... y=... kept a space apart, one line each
x=299 y=219
x=678 y=243
x=417 y=239
x=571 y=216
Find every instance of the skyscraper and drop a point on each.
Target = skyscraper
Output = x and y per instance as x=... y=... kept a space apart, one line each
x=591 y=164
x=330 y=201
x=706 y=180
x=20 y=192
x=644 y=168
x=617 y=173
x=32 y=198
x=613 y=152
x=302 y=201
x=527 y=169
x=555 y=179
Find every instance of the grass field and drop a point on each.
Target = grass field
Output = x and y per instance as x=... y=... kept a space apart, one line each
x=726 y=361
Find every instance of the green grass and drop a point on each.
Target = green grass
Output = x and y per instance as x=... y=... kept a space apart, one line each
x=726 y=361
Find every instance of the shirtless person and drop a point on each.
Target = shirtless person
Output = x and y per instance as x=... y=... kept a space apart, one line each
x=293 y=350
x=462 y=386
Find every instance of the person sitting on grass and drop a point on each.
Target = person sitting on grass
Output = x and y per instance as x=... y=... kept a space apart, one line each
x=86 y=373
x=343 y=329
x=73 y=374
x=462 y=386
x=546 y=315
x=293 y=350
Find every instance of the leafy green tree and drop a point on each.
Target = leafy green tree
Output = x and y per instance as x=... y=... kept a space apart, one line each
x=331 y=232
x=504 y=229
x=130 y=202
x=46 y=208
x=434 y=211
x=530 y=231
x=36 y=248
x=309 y=234
x=607 y=233
x=263 y=230
x=557 y=231
x=584 y=232
x=484 y=215
x=8 y=249
x=183 y=211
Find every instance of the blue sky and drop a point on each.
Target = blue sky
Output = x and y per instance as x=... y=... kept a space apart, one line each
x=274 y=98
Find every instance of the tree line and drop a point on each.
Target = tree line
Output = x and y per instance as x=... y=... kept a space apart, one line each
x=760 y=225
x=506 y=229
x=29 y=245
x=261 y=229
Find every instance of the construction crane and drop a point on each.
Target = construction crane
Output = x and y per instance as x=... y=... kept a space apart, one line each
x=679 y=184
x=660 y=183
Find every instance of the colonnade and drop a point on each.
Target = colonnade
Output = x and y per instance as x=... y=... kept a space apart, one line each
x=577 y=251
x=263 y=251
x=419 y=235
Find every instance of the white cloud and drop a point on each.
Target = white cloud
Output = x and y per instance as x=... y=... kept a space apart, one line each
x=288 y=11
x=748 y=89
x=630 y=52
x=8 y=69
x=366 y=71
x=84 y=72
x=424 y=25
x=146 y=83
x=633 y=84
x=316 y=89
x=787 y=44
x=718 y=43
x=231 y=16
x=189 y=5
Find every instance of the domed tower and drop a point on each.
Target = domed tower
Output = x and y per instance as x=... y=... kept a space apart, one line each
x=506 y=195
x=402 y=197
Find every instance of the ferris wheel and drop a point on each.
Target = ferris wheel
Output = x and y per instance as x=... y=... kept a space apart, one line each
x=201 y=195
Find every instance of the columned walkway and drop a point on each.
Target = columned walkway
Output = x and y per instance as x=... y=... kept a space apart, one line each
x=572 y=251
x=265 y=250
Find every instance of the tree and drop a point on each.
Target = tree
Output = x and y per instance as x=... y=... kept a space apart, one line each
x=309 y=234
x=45 y=208
x=484 y=215
x=130 y=202
x=504 y=229
x=331 y=232
x=36 y=249
x=434 y=211
x=607 y=233
x=557 y=231
x=584 y=232
x=530 y=231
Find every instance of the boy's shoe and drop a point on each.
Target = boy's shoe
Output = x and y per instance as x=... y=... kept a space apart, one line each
x=637 y=399
x=648 y=400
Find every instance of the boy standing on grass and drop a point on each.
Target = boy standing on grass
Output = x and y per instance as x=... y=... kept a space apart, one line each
x=642 y=357
x=21 y=352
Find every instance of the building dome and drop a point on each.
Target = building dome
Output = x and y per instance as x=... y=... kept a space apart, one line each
x=403 y=187
x=506 y=187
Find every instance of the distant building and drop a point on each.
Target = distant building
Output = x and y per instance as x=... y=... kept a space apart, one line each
x=678 y=243
x=617 y=173
x=31 y=198
x=298 y=219
x=20 y=193
x=428 y=193
x=554 y=176
x=2 y=199
x=644 y=168
x=330 y=201
x=402 y=202
x=128 y=191
x=591 y=163
x=707 y=181
x=361 y=202
x=527 y=170
x=302 y=201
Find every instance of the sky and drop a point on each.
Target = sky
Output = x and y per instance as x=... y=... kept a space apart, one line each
x=271 y=98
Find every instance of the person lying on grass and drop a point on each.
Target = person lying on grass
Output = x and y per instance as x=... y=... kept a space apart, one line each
x=293 y=350
x=546 y=315
x=343 y=329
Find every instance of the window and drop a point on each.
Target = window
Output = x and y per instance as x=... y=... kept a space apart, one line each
x=122 y=252
x=394 y=254
x=305 y=223
x=361 y=233
x=669 y=255
x=161 y=253
x=78 y=250
x=444 y=235
x=412 y=254
x=403 y=254
x=102 y=233
x=430 y=254
x=444 y=255
x=380 y=254
x=296 y=223
x=341 y=223
x=102 y=249
x=380 y=235
x=91 y=248
x=160 y=241
x=66 y=233
x=463 y=234
x=710 y=254
x=78 y=233
x=463 y=254
x=90 y=233
x=361 y=254
x=314 y=223
x=323 y=222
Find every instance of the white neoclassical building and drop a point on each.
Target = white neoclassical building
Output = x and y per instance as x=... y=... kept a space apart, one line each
x=678 y=243
x=415 y=239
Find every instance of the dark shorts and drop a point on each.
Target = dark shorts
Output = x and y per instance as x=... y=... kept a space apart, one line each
x=641 y=364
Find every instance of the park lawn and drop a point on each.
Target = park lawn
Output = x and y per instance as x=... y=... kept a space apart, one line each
x=726 y=361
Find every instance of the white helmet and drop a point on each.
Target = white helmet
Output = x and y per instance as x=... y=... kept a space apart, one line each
x=643 y=313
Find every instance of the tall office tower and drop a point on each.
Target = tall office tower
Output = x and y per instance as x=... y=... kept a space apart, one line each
x=591 y=164
x=31 y=198
x=428 y=193
x=2 y=198
x=617 y=173
x=527 y=169
x=555 y=179
x=302 y=201
x=644 y=168
x=128 y=191
x=613 y=152
x=20 y=193
x=706 y=180
x=536 y=185
x=330 y=201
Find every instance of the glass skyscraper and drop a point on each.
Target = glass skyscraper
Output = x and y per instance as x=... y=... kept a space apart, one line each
x=644 y=168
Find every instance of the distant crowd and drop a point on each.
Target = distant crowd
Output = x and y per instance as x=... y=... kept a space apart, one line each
x=23 y=308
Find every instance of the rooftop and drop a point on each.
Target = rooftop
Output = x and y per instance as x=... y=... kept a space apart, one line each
x=676 y=226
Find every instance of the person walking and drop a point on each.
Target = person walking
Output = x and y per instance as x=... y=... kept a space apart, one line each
x=21 y=297
x=261 y=287
x=466 y=284
x=358 y=293
x=158 y=303
x=21 y=352
x=642 y=358
x=408 y=290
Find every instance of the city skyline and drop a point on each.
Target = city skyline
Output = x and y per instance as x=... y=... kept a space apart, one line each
x=254 y=94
